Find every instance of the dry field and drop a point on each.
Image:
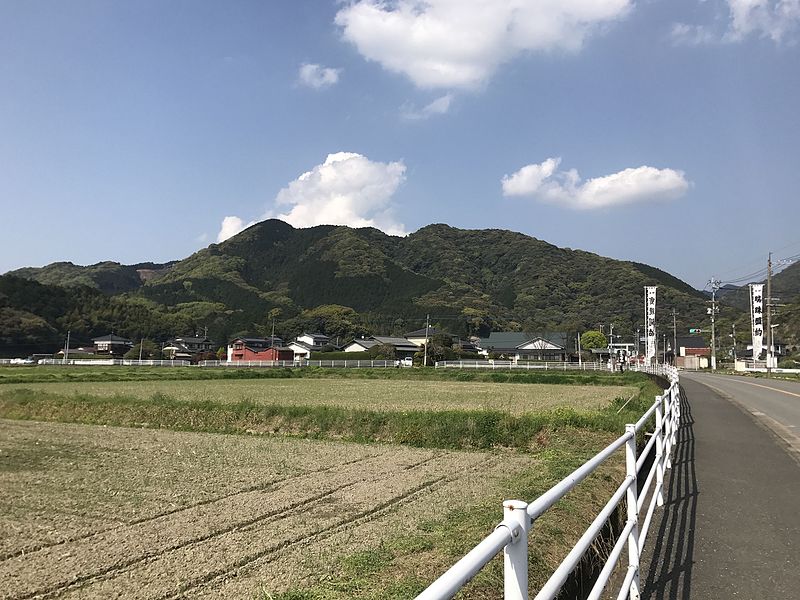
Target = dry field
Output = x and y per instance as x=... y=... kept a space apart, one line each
x=367 y=394
x=102 y=512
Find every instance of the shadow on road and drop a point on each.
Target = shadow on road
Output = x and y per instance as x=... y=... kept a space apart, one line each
x=669 y=575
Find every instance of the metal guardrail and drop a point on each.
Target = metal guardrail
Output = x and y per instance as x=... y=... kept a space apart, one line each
x=511 y=534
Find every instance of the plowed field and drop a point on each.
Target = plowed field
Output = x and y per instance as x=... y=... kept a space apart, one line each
x=102 y=512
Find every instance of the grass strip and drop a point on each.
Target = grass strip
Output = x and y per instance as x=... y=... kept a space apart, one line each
x=54 y=374
x=451 y=429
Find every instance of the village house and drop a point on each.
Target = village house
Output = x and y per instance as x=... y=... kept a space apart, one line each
x=402 y=347
x=693 y=352
x=306 y=343
x=111 y=345
x=184 y=348
x=248 y=348
x=518 y=345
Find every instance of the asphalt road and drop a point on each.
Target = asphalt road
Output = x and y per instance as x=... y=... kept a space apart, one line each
x=775 y=403
x=730 y=527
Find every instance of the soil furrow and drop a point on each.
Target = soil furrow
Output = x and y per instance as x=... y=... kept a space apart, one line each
x=269 y=486
x=74 y=564
x=201 y=561
x=393 y=505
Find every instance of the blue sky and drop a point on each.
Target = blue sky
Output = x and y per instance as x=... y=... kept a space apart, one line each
x=662 y=131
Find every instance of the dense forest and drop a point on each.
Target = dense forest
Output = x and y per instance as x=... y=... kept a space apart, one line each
x=344 y=282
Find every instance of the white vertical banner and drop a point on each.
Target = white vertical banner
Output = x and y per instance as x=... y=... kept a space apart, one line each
x=650 y=321
x=757 y=317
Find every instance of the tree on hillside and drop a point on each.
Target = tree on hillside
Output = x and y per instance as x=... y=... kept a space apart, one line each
x=593 y=339
x=149 y=351
x=331 y=319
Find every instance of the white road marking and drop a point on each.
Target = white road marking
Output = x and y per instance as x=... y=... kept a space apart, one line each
x=766 y=387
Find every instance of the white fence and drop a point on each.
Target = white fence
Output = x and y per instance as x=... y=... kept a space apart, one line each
x=760 y=366
x=347 y=364
x=116 y=362
x=337 y=364
x=520 y=365
x=511 y=534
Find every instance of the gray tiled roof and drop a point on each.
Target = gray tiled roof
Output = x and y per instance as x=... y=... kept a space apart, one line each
x=112 y=338
x=513 y=339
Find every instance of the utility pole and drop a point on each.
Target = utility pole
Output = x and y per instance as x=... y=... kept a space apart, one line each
x=580 y=360
x=713 y=312
x=141 y=343
x=66 y=349
x=674 y=337
x=769 y=314
x=427 y=327
x=733 y=335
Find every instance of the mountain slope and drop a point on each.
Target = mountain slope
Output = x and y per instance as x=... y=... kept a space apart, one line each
x=108 y=277
x=470 y=281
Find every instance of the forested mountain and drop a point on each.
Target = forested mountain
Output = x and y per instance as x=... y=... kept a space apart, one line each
x=362 y=280
x=108 y=277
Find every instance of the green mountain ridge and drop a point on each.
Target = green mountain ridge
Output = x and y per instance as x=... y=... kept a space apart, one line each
x=469 y=281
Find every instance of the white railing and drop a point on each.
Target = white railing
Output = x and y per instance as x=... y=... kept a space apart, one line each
x=494 y=364
x=511 y=534
x=117 y=362
x=337 y=364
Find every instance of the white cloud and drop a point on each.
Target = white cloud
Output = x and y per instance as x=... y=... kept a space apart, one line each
x=231 y=226
x=317 y=76
x=630 y=186
x=683 y=34
x=774 y=19
x=347 y=189
x=439 y=106
x=777 y=20
x=460 y=43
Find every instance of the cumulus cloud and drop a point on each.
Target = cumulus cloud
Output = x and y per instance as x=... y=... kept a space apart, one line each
x=346 y=189
x=231 y=226
x=460 y=43
x=774 y=19
x=439 y=106
x=317 y=76
x=630 y=186
x=777 y=20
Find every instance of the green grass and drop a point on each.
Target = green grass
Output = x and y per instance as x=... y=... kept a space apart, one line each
x=358 y=394
x=420 y=426
x=51 y=374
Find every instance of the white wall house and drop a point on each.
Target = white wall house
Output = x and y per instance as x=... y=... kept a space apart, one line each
x=316 y=340
x=360 y=345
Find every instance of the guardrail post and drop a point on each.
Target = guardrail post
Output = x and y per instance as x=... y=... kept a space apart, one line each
x=660 y=448
x=633 y=513
x=515 y=554
x=676 y=408
x=669 y=408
